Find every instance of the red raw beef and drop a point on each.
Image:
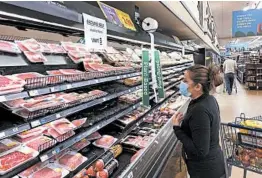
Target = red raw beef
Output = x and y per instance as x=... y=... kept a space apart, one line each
x=32 y=45
x=62 y=126
x=15 y=103
x=81 y=144
x=9 y=83
x=9 y=47
x=47 y=173
x=69 y=46
x=74 y=59
x=21 y=46
x=36 y=143
x=35 y=57
x=71 y=161
x=56 y=48
x=70 y=71
x=105 y=141
x=13 y=159
x=28 y=75
x=96 y=92
x=79 y=122
x=54 y=72
x=26 y=173
x=94 y=136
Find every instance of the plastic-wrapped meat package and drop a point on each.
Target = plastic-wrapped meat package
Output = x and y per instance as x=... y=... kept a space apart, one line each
x=111 y=50
x=81 y=47
x=51 y=170
x=75 y=59
x=94 y=136
x=10 y=83
x=70 y=71
x=38 y=131
x=97 y=67
x=96 y=59
x=42 y=104
x=41 y=143
x=21 y=46
x=28 y=75
x=77 y=54
x=98 y=92
x=80 y=145
x=8 y=145
x=69 y=97
x=52 y=132
x=35 y=57
x=127 y=119
x=132 y=140
x=28 y=172
x=9 y=47
x=54 y=72
x=69 y=46
x=72 y=160
x=56 y=48
x=108 y=170
x=45 y=48
x=14 y=104
x=31 y=45
x=79 y=122
x=62 y=126
x=16 y=158
x=106 y=141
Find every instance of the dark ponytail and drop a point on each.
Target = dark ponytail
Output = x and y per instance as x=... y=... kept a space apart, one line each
x=208 y=77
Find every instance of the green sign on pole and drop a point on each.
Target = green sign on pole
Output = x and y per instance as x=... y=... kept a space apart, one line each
x=159 y=77
x=145 y=78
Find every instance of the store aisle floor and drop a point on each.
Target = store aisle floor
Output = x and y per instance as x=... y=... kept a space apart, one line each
x=244 y=101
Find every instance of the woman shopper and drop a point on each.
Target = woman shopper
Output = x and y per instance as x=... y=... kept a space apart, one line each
x=199 y=131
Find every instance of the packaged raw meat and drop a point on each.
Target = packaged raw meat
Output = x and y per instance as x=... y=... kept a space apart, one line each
x=21 y=46
x=74 y=59
x=54 y=72
x=57 y=136
x=127 y=119
x=45 y=48
x=41 y=143
x=7 y=145
x=138 y=153
x=103 y=160
x=35 y=57
x=72 y=160
x=42 y=104
x=51 y=170
x=111 y=50
x=11 y=160
x=106 y=141
x=45 y=97
x=98 y=92
x=8 y=83
x=31 y=45
x=56 y=48
x=81 y=47
x=28 y=172
x=94 y=136
x=77 y=54
x=62 y=126
x=14 y=104
x=32 y=132
x=79 y=122
x=91 y=171
x=69 y=97
x=96 y=59
x=28 y=75
x=80 y=145
x=24 y=113
x=69 y=46
x=70 y=71
x=9 y=47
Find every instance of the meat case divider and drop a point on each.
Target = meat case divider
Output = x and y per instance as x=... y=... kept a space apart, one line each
x=84 y=134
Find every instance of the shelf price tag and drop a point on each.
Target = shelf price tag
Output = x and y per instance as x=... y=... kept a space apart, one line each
x=33 y=92
x=58 y=115
x=118 y=77
x=44 y=158
x=69 y=86
x=2 y=98
x=35 y=123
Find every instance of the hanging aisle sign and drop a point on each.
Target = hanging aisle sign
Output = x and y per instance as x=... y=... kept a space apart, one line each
x=145 y=78
x=159 y=77
x=95 y=32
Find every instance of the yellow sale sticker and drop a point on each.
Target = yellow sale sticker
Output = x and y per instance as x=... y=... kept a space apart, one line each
x=125 y=20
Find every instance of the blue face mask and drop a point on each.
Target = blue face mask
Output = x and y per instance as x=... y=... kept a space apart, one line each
x=183 y=89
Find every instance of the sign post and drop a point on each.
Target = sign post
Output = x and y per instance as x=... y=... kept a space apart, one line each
x=95 y=32
x=145 y=78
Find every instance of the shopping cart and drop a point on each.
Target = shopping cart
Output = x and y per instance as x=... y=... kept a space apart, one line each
x=242 y=144
x=234 y=84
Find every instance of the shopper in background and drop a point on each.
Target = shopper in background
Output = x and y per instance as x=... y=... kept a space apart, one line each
x=229 y=67
x=199 y=131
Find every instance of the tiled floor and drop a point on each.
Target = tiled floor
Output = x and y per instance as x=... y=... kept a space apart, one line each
x=244 y=101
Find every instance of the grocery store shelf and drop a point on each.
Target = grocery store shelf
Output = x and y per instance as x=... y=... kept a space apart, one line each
x=171 y=86
x=64 y=113
x=14 y=130
x=56 y=150
x=66 y=86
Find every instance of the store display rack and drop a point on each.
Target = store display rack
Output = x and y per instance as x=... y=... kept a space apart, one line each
x=241 y=73
x=254 y=76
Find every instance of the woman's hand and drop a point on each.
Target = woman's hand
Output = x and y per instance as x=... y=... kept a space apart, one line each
x=177 y=118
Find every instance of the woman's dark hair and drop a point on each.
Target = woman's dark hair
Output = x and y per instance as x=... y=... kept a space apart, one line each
x=208 y=77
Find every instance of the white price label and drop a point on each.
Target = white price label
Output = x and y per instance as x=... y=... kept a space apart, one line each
x=52 y=89
x=2 y=134
x=44 y=158
x=98 y=127
x=129 y=90
x=134 y=107
x=33 y=92
x=104 y=99
x=35 y=123
x=2 y=98
x=54 y=152
x=118 y=77
x=69 y=86
x=58 y=115
x=15 y=129
x=97 y=81
x=124 y=76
